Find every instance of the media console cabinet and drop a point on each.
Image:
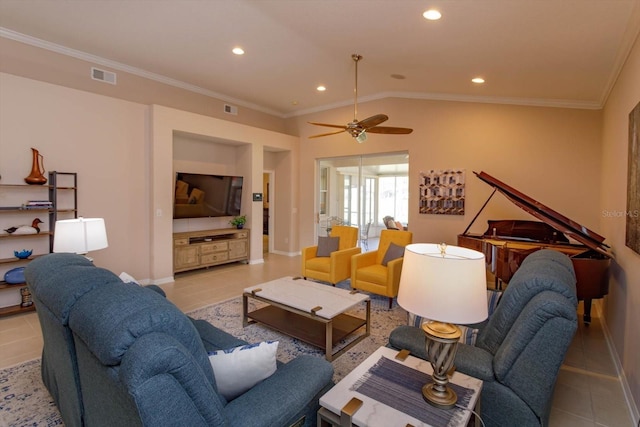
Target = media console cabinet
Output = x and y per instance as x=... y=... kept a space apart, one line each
x=205 y=248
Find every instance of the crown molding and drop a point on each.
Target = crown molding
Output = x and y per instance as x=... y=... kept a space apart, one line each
x=631 y=36
x=529 y=102
x=53 y=47
x=557 y=103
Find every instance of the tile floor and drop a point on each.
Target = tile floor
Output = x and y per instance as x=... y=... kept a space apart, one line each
x=588 y=391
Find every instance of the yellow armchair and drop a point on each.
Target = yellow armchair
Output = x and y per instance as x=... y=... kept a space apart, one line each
x=337 y=266
x=367 y=272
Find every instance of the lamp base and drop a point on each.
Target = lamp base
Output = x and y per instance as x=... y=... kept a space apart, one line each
x=443 y=398
x=442 y=343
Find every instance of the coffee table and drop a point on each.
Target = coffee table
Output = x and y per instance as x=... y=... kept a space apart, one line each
x=338 y=408
x=310 y=311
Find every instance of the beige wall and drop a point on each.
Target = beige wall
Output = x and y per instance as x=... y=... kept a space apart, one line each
x=44 y=65
x=621 y=307
x=100 y=138
x=123 y=154
x=551 y=154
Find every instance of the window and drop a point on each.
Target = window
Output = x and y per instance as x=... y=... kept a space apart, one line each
x=369 y=200
x=393 y=197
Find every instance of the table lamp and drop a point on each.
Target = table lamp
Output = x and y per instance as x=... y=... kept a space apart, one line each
x=446 y=284
x=80 y=235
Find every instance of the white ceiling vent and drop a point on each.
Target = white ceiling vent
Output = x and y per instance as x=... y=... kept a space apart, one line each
x=231 y=109
x=103 y=76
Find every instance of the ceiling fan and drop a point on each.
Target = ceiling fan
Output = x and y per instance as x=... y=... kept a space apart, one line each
x=359 y=128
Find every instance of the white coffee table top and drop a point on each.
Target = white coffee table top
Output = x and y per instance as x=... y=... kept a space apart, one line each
x=305 y=295
x=373 y=413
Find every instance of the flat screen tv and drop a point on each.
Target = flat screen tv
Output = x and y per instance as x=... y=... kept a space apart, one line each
x=202 y=196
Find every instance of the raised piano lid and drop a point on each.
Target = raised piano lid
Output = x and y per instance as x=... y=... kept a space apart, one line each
x=545 y=214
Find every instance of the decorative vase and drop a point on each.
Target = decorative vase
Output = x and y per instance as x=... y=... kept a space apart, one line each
x=240 y=226
x=37 y=170
x=14 y=276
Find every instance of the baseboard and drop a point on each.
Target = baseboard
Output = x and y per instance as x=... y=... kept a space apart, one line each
x=147 y=281
x=256 y=261
x=289 y=254
x=628 y=396
x=162 y=281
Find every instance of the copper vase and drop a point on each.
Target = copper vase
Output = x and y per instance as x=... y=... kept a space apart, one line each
x=36 y=177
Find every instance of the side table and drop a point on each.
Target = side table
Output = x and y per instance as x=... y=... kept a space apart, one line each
x=339 y=408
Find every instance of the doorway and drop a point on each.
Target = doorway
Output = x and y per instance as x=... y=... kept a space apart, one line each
x=268 y=180
x=360 y=191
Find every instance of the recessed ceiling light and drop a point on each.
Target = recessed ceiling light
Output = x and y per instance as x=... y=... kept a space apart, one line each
x=321 y=88
x=478 y=80
x=238 y=51
x=432 y=15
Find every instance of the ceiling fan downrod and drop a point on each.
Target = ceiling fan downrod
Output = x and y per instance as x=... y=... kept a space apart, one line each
x=355 y=58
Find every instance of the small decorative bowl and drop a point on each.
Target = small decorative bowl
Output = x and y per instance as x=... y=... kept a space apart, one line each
x=23 y=254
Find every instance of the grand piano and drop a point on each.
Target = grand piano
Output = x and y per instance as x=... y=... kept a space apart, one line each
x=506 y=243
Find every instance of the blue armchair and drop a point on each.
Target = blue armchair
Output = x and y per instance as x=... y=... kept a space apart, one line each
x=520 y=349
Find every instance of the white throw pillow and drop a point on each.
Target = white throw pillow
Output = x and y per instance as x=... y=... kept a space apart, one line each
x=127 y=278
x=240 y=368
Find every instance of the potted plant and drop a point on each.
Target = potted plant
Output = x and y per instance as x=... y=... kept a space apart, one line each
x=238 y=221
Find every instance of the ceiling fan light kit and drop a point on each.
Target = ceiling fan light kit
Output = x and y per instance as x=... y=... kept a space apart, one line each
x=358 y=129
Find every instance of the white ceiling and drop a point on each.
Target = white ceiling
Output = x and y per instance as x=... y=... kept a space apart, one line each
x=532 y=52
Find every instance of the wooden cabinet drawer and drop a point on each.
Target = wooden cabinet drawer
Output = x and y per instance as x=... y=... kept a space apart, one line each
x=181 y=242
x=207 y=248
x=213 y=258
x=242 y=235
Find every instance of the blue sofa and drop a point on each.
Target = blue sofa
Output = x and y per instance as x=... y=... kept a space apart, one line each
x=520 y=349
x=119 y=354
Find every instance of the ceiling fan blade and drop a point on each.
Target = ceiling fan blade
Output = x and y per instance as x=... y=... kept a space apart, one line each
x=326 y=134
x=343 y=127
x=373 y=120
x=390 y=130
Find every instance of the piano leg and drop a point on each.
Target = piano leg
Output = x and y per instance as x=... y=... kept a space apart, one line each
x=586 y=317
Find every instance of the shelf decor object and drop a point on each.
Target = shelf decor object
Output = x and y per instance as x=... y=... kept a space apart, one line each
x=14 y=276
x=239 y=221
x=23 y=254
x=36 y=177
x=447 y=285
x=80 y=235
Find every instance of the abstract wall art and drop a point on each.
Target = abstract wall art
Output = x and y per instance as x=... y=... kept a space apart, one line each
x=442 y=192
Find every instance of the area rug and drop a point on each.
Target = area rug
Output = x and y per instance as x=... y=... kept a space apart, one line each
x=24 y=401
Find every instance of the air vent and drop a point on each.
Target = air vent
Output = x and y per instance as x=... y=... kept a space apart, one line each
x=103 y=76
x=231 y=109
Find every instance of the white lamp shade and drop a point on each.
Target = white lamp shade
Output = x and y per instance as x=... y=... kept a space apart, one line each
x=449 y=288
x=80 y=235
